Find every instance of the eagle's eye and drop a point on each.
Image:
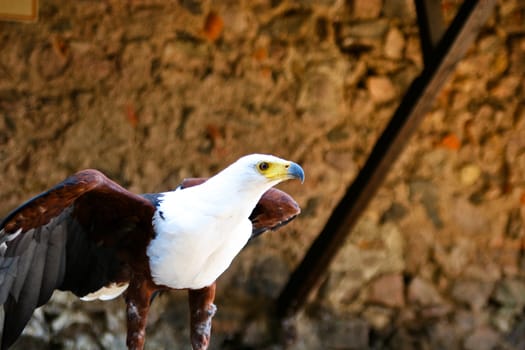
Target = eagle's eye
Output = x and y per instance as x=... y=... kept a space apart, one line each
x=263 y=166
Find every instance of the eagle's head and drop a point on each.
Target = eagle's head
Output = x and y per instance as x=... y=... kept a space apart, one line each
x=242 y=183
x=265 y=170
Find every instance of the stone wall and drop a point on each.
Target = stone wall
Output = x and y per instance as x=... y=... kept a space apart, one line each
x=152 y=91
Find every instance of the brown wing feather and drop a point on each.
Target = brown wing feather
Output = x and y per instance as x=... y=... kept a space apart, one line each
x=275 y=208
x=39 y=210
x=80 y=235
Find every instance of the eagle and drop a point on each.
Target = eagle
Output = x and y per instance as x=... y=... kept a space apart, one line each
x=90 y=236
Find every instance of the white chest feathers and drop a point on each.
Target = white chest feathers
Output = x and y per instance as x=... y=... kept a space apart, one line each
x=197 y=238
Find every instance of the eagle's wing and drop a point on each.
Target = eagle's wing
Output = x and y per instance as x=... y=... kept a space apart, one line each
x=77 y=236
x=275 y=208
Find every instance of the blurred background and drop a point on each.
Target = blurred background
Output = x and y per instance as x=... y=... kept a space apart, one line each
x=153 y=91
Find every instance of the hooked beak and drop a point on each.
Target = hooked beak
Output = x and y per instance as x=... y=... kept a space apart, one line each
x=295 y=172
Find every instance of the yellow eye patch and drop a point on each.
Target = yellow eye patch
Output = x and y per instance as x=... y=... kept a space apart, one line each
x=280 y=171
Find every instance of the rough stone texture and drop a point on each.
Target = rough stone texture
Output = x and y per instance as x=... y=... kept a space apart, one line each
x=387 y=290
x=153 y=91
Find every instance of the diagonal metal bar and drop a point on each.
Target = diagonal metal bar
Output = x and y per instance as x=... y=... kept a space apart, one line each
x=431 y=26
x=416 y=103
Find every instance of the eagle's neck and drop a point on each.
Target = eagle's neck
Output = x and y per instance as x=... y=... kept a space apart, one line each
x=232 y=189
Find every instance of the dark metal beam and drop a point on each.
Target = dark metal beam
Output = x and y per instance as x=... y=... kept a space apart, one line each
x=431 y=26
x=416 y=103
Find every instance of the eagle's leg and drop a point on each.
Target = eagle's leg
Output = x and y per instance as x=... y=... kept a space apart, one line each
x=202 y=310
x=138 y=300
